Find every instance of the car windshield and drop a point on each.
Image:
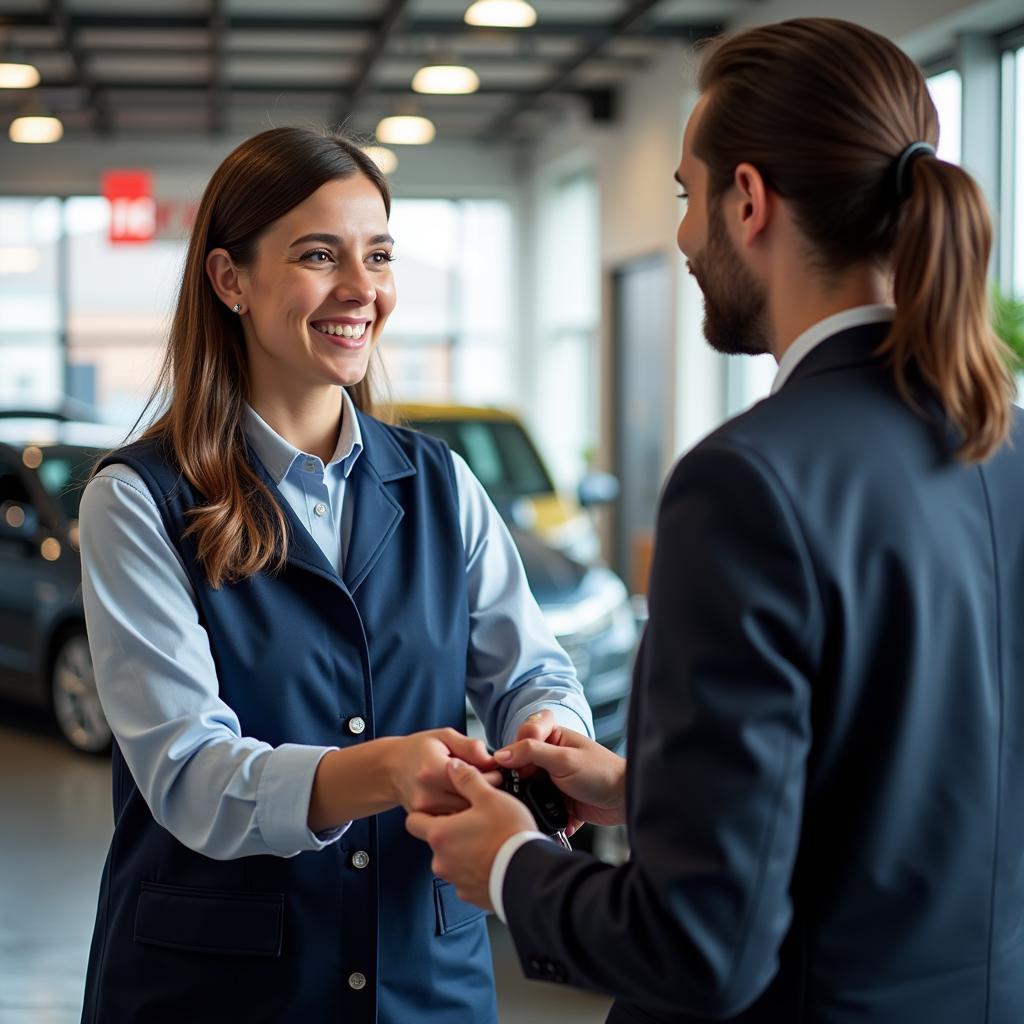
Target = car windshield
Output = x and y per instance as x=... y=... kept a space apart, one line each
x=498 y=452
x=64 y=472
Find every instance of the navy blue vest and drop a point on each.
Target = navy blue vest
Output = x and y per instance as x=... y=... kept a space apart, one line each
x=181 y=937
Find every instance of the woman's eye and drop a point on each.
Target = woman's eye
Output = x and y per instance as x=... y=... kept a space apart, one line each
x=381 y=258
x=683 y=195
x=318 y=256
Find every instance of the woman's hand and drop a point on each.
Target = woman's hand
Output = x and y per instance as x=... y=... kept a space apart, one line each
x=592 y=778
x=417 y=767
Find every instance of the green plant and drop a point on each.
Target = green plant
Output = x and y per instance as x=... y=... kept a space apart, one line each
x=1008 y=322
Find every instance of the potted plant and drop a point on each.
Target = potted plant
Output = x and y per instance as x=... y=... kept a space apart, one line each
x=1008 y=321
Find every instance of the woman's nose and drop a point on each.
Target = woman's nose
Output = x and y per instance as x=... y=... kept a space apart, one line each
x=355 y=285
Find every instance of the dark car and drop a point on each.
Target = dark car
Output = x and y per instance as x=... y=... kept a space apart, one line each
x=44 y=653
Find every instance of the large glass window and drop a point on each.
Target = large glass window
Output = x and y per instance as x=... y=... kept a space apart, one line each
x=946 y=91
x=568 y=288
x=88 y=318
x=449 y=336
x=120 y=298
x=31 y=357
x=1017 y=227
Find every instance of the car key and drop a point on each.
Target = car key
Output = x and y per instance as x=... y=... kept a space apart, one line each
x=543 y=799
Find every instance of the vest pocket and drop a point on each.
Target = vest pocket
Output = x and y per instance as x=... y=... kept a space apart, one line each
x=210 y=920
x=452 y=912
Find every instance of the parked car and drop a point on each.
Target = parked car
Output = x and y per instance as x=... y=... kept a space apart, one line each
x=44 y=653
x=585 y=603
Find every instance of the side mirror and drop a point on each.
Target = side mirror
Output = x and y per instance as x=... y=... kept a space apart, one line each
x=598 y=489
x=18 y=522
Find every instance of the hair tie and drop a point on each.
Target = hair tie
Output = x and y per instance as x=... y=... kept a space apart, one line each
x=904 y=183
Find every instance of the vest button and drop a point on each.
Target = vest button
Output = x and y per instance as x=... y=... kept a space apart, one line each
x=356 y=725
x=357 y=980
x=360 y=859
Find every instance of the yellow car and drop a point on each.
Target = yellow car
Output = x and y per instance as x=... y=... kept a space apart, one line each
x=585 y=603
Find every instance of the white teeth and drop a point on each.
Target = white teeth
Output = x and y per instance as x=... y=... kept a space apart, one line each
x=342 y=330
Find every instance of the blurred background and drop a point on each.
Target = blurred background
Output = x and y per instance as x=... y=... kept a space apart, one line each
x=546 y=326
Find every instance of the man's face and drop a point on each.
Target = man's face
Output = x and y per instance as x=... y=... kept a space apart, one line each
x=735 y=303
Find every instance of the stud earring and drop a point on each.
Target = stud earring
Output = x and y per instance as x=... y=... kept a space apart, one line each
x=236 y=308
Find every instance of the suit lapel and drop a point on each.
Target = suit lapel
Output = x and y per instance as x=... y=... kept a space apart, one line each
x=376 y=512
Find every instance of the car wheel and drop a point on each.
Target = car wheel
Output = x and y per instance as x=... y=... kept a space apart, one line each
x=75 y=701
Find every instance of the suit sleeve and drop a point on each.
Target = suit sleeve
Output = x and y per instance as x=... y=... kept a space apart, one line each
x=719 y=735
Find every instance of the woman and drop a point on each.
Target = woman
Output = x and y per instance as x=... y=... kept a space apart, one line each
x=288 y=602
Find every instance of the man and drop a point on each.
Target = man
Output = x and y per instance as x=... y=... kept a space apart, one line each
x=826 y=744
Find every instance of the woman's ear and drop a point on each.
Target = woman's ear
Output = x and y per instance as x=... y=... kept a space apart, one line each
x=224 y=277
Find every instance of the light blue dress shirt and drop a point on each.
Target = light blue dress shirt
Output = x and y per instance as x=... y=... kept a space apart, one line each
x=227 y=795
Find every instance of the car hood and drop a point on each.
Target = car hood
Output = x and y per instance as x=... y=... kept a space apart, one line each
x=554 y=578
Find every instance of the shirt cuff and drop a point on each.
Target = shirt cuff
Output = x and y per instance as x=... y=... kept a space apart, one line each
x=565 y=715
x=282 y=800
x=506 y=852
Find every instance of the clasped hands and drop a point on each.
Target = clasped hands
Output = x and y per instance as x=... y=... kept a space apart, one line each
x=467 y=822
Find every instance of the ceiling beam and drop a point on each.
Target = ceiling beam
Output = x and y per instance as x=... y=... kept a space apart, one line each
x=355 y=91
x=218 y=71
x=60 y=17
x=566 y=69
x=587 y=30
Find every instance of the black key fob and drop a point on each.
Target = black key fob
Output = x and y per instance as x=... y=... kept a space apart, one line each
x=541 y=796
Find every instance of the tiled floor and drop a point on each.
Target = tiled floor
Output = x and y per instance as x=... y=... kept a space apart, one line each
x=55 y=823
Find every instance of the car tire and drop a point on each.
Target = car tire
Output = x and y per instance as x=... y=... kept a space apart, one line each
x=74 y=699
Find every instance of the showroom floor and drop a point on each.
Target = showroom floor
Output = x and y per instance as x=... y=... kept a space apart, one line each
x=55 y=823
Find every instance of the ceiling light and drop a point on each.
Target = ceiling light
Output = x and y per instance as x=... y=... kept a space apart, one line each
x=447 y=79
x=406 y=130
x=385 y=159
x=36 y=129
x=18 y=76
x=501 y=14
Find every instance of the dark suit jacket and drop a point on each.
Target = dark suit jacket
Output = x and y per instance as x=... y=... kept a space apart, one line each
x=826 y=745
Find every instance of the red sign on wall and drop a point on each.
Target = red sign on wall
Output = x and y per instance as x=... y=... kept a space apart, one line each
x=133 y=216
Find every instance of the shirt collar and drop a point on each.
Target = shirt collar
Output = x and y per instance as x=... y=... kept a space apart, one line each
x=858 y=316
x=277 y=455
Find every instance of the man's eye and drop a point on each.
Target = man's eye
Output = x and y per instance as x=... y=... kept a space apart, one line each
x=683 y=195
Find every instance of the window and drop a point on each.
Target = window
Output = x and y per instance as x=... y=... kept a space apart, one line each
x=1016 y=275
x=449 y=338
x=31 y=358
x=568 y=285
x=947 y=94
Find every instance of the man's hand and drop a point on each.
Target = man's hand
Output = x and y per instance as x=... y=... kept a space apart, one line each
x=592 y=778
x=417 y=766
x=539 y=726
x=466 y=843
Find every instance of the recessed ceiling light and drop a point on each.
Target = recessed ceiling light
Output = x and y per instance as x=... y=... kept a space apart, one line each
x=447 y=79
x=406 y=130
x=385 y=159
x=36 y=129
x=501 y=14
x=18 y=76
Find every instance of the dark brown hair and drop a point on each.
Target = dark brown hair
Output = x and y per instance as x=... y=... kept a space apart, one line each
x=823 y=109
x=240 y=530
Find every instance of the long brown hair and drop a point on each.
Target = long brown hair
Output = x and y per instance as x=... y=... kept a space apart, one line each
x=239 y=529
x=824 y=109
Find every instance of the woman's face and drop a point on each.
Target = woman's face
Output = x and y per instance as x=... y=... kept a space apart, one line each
x=320 y=289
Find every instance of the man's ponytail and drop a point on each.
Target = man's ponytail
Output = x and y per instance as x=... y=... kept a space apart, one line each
x=943 y=324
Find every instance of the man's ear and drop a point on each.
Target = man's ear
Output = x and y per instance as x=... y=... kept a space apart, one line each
x=753 y=204
x=224 y=277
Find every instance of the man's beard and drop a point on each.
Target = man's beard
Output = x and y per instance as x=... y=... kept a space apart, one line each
x=735 y=305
